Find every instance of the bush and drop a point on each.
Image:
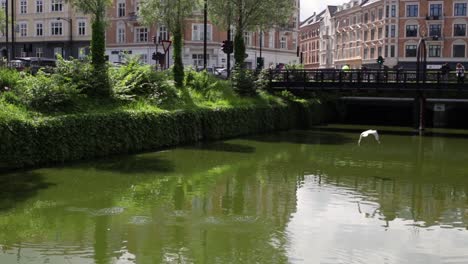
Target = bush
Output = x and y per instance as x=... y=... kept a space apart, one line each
x=243 y=81
x=47 y=93
x=8 y=79
x=76 y=72
x=134 y=81
x=81 y=136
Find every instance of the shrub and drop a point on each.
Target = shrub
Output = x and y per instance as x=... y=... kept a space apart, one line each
x=8 y=79
x=243 y=81
x=47 y=93
x=134 y=81
x=76 y=72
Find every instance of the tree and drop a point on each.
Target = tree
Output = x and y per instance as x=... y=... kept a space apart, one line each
x=249 y=15
x=172 y=14
x=97 y=9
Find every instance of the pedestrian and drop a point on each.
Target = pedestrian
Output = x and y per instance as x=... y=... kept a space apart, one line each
x=460 y=72
x=445 y=71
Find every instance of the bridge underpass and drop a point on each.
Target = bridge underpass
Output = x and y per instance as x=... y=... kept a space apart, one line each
x=437 y=112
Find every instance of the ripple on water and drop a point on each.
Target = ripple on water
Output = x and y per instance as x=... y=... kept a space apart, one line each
x=140 y=220
x=107 y=211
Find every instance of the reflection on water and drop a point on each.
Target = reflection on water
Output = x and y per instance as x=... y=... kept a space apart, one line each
x=297 y=197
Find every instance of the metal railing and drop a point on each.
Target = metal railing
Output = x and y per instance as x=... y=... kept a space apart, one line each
x=362 y=79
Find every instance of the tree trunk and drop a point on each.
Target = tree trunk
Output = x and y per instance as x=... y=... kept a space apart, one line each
x=178 y=69
x=239 y=44
x=98 y=43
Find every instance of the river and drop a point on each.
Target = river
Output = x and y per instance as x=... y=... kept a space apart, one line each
x=290 y=197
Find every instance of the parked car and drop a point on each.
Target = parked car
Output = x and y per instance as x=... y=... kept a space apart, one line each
x=33 y=64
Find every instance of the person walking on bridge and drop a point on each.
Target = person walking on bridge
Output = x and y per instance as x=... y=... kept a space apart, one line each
x=445 y=71
x=460 y=72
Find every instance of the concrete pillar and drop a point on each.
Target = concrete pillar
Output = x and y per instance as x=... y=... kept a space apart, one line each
x=440 y=115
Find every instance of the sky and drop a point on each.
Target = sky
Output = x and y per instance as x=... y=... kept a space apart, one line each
x=308 y=7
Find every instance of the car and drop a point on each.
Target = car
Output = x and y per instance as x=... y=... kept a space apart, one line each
x=221 y=72
x=33 y=64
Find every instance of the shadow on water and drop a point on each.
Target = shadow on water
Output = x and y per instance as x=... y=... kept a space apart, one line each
x=133 y=164
x=20 y=186
x=305 y=137
x=223 y=147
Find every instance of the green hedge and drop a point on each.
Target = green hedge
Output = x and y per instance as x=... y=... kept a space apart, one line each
x=87 y=136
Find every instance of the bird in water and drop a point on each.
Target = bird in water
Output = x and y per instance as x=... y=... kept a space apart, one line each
x=367 y=133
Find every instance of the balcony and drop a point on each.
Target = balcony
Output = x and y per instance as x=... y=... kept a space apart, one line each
x=132 y=16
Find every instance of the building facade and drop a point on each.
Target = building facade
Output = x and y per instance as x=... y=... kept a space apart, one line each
x=309 y=34
x=443 y=23
x=362 y=30
x=125 y=35
x=45 y=28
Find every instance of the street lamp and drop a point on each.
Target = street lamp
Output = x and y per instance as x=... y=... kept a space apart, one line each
x=70 y=22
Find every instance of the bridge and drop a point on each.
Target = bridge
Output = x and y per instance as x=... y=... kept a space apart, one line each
x=401 y=81
x=432 y=91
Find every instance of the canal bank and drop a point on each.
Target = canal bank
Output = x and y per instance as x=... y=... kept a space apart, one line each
x=87 y=136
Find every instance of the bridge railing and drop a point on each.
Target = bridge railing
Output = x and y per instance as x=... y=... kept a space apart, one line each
x=390 y=79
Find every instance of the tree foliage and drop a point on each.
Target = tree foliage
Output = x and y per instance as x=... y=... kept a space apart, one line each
x=172 y=14
x=247 y=15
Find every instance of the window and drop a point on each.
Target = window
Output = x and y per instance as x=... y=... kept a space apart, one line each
x=411 y=31
x=143 y=58
x=434 y=50
x=198 y=32
x=56 y=28
x=410 y=51
x=23 y=29
x=366 y=17
x=81 y=28
x=58 y=51
x=372 y=53
x=163 y=33
x=121 y=34
x=23 y=7
x=57 y=5
x=121 y=9
x=283 y=43
x=392 y=51
x=412 y=11
x=459 y=30
x=459 y=50
x=372 y=34
x=39 y=52
x=379 y=33
x=81 y=53
x=3 y=4
x=141 y=34
x=435 y=30
x=39 y=29
x=39 y=6
x=459 y=9
x=247 y=39
x=198 y=59
x=435 y=10
x=380 y=13
x=366 y=34
x=393 y=12
x=392 y=31
x=366 y=52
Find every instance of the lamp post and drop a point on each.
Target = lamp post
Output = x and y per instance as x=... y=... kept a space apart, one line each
x=205 y=34
x=70 y=22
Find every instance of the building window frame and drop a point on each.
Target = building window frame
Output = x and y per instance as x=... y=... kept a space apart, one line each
x=81 y=24
x=121 y=8
x=39 y=6
x=141 y=34
x=39 y=26
x=411 y=30
x=454 y=55
x=56 y=5
x=436 y=9
x=410 y=50
x=459 y=29
x=456 y=8
x=56 y=28
x=410 y=12
x=23 y=7
x=435 y=51
x=198 y=32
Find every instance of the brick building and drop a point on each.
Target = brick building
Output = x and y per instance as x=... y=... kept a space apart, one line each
x=44 y=28
x=126 y=35
x=309 y=34
x=443 y=22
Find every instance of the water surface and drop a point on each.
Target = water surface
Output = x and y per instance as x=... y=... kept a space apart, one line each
x=290 y=197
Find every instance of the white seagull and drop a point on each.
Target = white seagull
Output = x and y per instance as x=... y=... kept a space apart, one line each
x=367 y=133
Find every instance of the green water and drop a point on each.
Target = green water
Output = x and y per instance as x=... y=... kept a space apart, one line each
x=290 y=197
